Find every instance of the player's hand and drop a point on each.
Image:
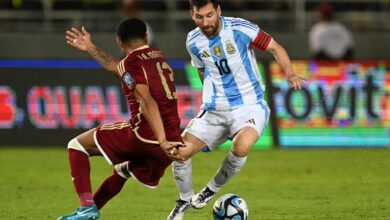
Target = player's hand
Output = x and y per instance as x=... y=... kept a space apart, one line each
x=79 y=39
x=172 y=150
x=295 y=81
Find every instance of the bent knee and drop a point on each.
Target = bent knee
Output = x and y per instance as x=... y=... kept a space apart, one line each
x=240 y=153
x=186 y=158
x=188 y=151
x=241 y=149
x=75 y=145
x=123 y=170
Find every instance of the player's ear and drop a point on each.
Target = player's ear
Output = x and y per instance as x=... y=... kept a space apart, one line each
x=192 y=14
x=219 y=12
x=146 y=38
x=119 y=42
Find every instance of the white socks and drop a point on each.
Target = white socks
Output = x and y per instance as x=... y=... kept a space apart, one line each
x=230 y=167
x=183 y=177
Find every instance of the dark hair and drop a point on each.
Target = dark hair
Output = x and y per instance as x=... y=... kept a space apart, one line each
x=200 y=3
x=131 y=29
x=326 y=11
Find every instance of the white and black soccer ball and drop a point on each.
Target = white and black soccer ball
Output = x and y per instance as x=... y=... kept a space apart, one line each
x=230 y=206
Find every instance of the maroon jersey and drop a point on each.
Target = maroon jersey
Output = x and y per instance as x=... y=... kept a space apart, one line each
x=148 y=66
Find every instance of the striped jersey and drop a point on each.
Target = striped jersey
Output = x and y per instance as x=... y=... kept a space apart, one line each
x=231 y=75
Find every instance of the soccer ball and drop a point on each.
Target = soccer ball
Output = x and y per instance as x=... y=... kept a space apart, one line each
x=230 y=206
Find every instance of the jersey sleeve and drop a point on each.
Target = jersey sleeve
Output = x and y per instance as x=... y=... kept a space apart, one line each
x=132 y=73
x=262 y=41
x=193 y=50
x=254 y=35
x=249 y=29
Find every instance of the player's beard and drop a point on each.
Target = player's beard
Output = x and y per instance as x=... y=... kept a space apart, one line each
x=211 y=30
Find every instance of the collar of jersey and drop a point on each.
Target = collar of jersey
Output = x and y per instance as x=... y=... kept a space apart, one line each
x=222 y=22
x=141 y=48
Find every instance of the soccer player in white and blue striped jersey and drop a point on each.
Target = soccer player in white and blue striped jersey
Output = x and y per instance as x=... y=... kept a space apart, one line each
x=222 y=49
x=228 y=66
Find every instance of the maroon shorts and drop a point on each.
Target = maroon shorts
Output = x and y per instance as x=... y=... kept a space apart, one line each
x=118 y=143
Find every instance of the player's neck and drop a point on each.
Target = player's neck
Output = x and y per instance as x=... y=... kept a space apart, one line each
x=134 y=45
x=219 y=25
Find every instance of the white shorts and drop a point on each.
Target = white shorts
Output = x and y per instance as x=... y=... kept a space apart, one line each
x=215 y=127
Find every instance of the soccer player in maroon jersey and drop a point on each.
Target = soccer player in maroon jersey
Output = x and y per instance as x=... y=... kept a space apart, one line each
x=138 y=148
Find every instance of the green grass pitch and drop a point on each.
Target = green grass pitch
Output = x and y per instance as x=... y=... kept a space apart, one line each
x=277 y=184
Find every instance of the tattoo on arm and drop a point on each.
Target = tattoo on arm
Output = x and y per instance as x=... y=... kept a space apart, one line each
x=106 y=60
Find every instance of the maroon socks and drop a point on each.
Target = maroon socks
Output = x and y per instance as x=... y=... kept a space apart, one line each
x=80 y=169
x=109 y=188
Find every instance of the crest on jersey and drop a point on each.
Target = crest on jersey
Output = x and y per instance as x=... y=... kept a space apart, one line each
x=230 y=47
x=217 y=51
x=128 y=80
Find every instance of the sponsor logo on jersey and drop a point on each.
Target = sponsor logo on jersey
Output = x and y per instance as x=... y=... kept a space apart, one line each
x=230 y=47
x=251 y=121
x=204 y=54
x=217 y=51
x=128 y=80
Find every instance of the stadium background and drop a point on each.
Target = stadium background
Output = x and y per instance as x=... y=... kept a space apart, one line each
x=49 y=92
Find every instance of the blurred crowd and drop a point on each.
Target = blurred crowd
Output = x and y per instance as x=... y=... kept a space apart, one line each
x=328 y=38
x=149 y=5
x=60 y=4
x=159 y=5
x=326 y=22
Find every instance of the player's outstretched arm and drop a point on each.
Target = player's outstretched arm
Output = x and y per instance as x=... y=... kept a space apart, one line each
x=283 y=60
x=81 y=40
x=152 y=114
